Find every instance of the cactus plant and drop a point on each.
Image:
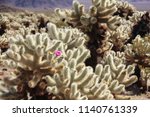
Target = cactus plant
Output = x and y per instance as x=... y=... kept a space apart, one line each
x=33 y=57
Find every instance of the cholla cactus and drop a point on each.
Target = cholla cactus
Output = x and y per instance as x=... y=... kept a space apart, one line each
x=33 y=57
x=124 y=9
x=78 y=82
x=120 y=36
x=78 y=57
x=23 y=22
x=72 y=37
x=99 y=12
x=139 y=53
x=120 y=76
x=64 y=77
x=145 y=77
x=137 y=15
x=118 y=68
x=142 y=27
x=126 y=31
x=95 y=23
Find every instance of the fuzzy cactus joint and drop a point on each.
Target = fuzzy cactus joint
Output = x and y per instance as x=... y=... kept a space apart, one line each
x=96 y=53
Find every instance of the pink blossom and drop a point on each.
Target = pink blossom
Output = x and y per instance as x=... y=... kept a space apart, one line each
x=58 y=53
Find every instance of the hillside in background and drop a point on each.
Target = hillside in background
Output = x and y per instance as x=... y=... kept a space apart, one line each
x=45 y=4
x=6 y=8
x=37 y=3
